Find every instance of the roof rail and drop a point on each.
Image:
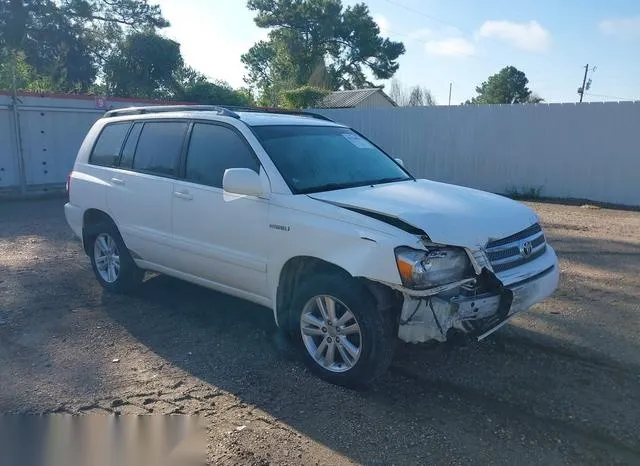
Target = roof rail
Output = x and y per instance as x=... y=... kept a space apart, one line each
x=280 y=111
x=170 y=108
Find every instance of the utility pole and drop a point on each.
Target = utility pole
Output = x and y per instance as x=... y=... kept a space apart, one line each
x=585 y=85
x=450 y=85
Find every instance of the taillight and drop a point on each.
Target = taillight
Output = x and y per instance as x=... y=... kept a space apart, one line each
x=68 y=187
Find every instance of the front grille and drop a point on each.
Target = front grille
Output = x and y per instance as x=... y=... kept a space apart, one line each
x=507 y=253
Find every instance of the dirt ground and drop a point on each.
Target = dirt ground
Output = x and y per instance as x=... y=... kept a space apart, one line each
x=559 y=385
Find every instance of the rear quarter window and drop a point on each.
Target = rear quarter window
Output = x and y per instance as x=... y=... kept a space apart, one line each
x=106 y=151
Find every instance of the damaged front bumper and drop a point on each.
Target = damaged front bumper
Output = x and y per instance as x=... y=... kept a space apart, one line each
x=478 y=307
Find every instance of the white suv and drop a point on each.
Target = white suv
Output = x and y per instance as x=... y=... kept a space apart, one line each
x=309 y=218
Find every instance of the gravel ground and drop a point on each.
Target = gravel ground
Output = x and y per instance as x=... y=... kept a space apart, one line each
x=559 y=385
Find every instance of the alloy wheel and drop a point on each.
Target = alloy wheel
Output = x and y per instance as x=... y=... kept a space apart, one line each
x=107 y=257
x=331 y=333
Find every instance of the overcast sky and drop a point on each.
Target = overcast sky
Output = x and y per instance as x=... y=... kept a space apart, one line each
x=458 y=41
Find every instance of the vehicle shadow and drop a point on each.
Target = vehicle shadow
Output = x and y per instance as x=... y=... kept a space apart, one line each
x=499 y=402
x=434 y=403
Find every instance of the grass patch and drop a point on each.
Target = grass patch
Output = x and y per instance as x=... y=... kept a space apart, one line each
x=526 y=193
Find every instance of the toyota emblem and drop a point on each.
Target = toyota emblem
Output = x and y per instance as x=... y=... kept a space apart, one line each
x=526 y=249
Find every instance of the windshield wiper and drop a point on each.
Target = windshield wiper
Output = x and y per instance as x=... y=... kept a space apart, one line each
x=336 y=186
x=387 y=180
x=330 y=187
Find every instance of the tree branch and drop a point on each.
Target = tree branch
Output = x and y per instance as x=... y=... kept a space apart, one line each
x=103 y=19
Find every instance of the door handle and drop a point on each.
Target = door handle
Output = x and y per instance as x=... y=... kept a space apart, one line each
x=186 y=195
x=117 y=181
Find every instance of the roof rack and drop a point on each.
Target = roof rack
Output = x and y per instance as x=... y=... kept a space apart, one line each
x=170 y=108
x=280 y=111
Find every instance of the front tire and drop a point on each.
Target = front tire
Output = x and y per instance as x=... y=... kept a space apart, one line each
x=345 y=338
x=111 y=261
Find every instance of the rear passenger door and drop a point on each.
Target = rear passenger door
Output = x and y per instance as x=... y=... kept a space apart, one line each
x=141 y=188
x=220 y=236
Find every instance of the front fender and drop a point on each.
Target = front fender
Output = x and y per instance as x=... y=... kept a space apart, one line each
x=360 y=251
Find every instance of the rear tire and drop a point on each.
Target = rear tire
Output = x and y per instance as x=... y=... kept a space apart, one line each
x=111 y=261
x=344 y=337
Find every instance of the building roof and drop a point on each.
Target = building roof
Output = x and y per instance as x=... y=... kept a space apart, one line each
x=349 y=99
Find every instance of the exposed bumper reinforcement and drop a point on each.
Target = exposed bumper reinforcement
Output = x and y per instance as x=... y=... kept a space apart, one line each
x=433 y=317
x=526 y=294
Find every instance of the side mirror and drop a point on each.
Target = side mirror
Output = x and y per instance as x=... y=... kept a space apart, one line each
x=242 y=181
x=400 y=162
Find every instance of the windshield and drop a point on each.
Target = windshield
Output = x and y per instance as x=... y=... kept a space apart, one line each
x=323 y=158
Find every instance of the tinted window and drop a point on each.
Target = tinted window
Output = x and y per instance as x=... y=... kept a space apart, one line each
x=322 y=158
x=159 y=147
x=212 y=150
x=106 y=151
x=130 y=146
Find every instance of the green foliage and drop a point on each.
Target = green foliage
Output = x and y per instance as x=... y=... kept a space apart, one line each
x=150 y=66
x=192 y=86
x=535 y=99
x=303 y=97
x=317 y=43
x=131 y=13
x=143 y=65
x=51 y=42
x=101 y=47
x=68 y=40
x=508 y=86
x=217 y=93
x=16 y=67
x=105 y=23
x=528 y=193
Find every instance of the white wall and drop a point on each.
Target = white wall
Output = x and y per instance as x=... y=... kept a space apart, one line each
x=589 y=151
x=9 y=174
x=585 y=151
x=51 y=130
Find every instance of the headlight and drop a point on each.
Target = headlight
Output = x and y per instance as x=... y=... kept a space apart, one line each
x=434 y=267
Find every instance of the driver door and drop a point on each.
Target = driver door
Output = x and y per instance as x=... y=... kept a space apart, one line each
x=220 y=237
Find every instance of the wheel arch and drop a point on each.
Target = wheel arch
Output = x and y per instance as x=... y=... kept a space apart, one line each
x=91 y=219
x=302 y=267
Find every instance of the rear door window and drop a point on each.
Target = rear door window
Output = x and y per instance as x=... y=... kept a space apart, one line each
x=106 y=151
x=129 y=149
x=159 y=147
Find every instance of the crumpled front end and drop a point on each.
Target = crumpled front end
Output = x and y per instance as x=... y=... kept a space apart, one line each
x=512 y=274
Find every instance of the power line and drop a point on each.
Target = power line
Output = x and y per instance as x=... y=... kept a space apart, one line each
x=426 y=42
x=438 y=20
x=610 y=96
x=586 y=85
x=421 y=13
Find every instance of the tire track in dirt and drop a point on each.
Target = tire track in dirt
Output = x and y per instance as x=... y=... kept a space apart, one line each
x=554 y=389
x=521 y=413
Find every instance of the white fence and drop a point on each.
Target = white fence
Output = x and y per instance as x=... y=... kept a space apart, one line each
x=583 y=151
x=38 y=152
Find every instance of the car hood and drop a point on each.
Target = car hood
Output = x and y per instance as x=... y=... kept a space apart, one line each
x=448 y=214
